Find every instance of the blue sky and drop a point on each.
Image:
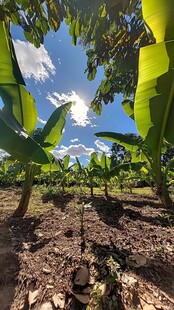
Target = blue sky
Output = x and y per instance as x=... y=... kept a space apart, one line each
x=54 y=74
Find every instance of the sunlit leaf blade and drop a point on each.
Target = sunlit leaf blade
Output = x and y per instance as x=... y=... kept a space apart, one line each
x=66 y=160
x=52 y=165
x=126 y=167
x=154 y=106
x=158 y=14
x=79 y=166
x=52 y=131
x=93 y=160
x=9 y=69
x=105 y=162
x=17 y=143
x=138 y=156
x=128 y=107
x=18 y=101
x=15 y=97
x=122 y=139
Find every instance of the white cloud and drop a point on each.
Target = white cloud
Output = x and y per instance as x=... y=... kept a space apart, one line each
x=93 y=125
x=59 y=61
x=34 y=62
x=41 y=121
x=71 y=163
x=79 y=110
x=3 y=154
x=73 y=151
x=74 y=140
x=101 y=146
x=39 y=92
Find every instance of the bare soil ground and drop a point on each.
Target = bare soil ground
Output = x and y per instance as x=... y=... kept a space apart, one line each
x=41 y=254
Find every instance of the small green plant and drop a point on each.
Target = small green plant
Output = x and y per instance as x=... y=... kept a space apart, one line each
x=49 y=193
x=115 y=270
x=170 y=220
x=80 y=210
x=96 y=298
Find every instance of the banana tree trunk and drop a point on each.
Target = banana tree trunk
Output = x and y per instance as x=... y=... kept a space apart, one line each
x=26 y=191
x=63 y=186
x=106 y=188
x=162 y=190
x=163 y=193
x=91 y=187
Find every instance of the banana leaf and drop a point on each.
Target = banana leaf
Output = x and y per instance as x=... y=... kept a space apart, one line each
x=126 y=167
x=51 y=134
x=128 y=142
x=9 y=68
x=66 y=160
x=17 y=143
x=128 y=107
x=154 y=100
x=79 y=166
x=94 y=160
x=17 y=100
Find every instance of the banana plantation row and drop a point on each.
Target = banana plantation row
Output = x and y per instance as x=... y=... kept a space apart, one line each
x=147 y=85
x=110 y=173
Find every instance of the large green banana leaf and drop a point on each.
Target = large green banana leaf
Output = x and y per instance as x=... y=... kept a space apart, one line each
x=66 y=160
x=94 y=160
x=51 y=134
x=154 y=100
x=127 y=142
x=15 y=141
x=9 y=69
x=128 y=107
x=126 y=167
x=105 y=161
x=136 y=147
x=78 y=165
x=17 y=100
x=52 y=165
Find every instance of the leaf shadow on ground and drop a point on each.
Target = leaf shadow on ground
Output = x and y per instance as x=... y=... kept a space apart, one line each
x=134 y=229
x=16 y=235
x=59 y=200
x=111 y=210
x=9 y=267
x=158 y=272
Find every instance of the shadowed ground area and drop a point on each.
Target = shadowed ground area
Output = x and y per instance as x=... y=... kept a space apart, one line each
x=47 y=247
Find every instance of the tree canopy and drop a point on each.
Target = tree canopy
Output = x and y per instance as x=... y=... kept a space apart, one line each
x=111 y=32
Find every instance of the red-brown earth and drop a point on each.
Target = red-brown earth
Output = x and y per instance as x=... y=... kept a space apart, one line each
x=42 y=252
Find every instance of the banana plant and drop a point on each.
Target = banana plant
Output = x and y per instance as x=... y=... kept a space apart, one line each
x=105 y=169
x=154 y=100
x=48 y=138
x=153 y=109
x=64 y=169
x=89 y=171
x=18 y=119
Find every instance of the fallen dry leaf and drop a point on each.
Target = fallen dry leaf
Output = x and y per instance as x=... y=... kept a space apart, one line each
x=59 y=300
x=47 y=271
x=148 y=307
x=32 y=295
x=129 y=280
x=83 y=298
x=136 y=260
x=82 y=276
x=46 y=306
x=105 y=289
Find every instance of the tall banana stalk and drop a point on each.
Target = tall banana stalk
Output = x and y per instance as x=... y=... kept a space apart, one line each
x=18 y=118
x=153 y=109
